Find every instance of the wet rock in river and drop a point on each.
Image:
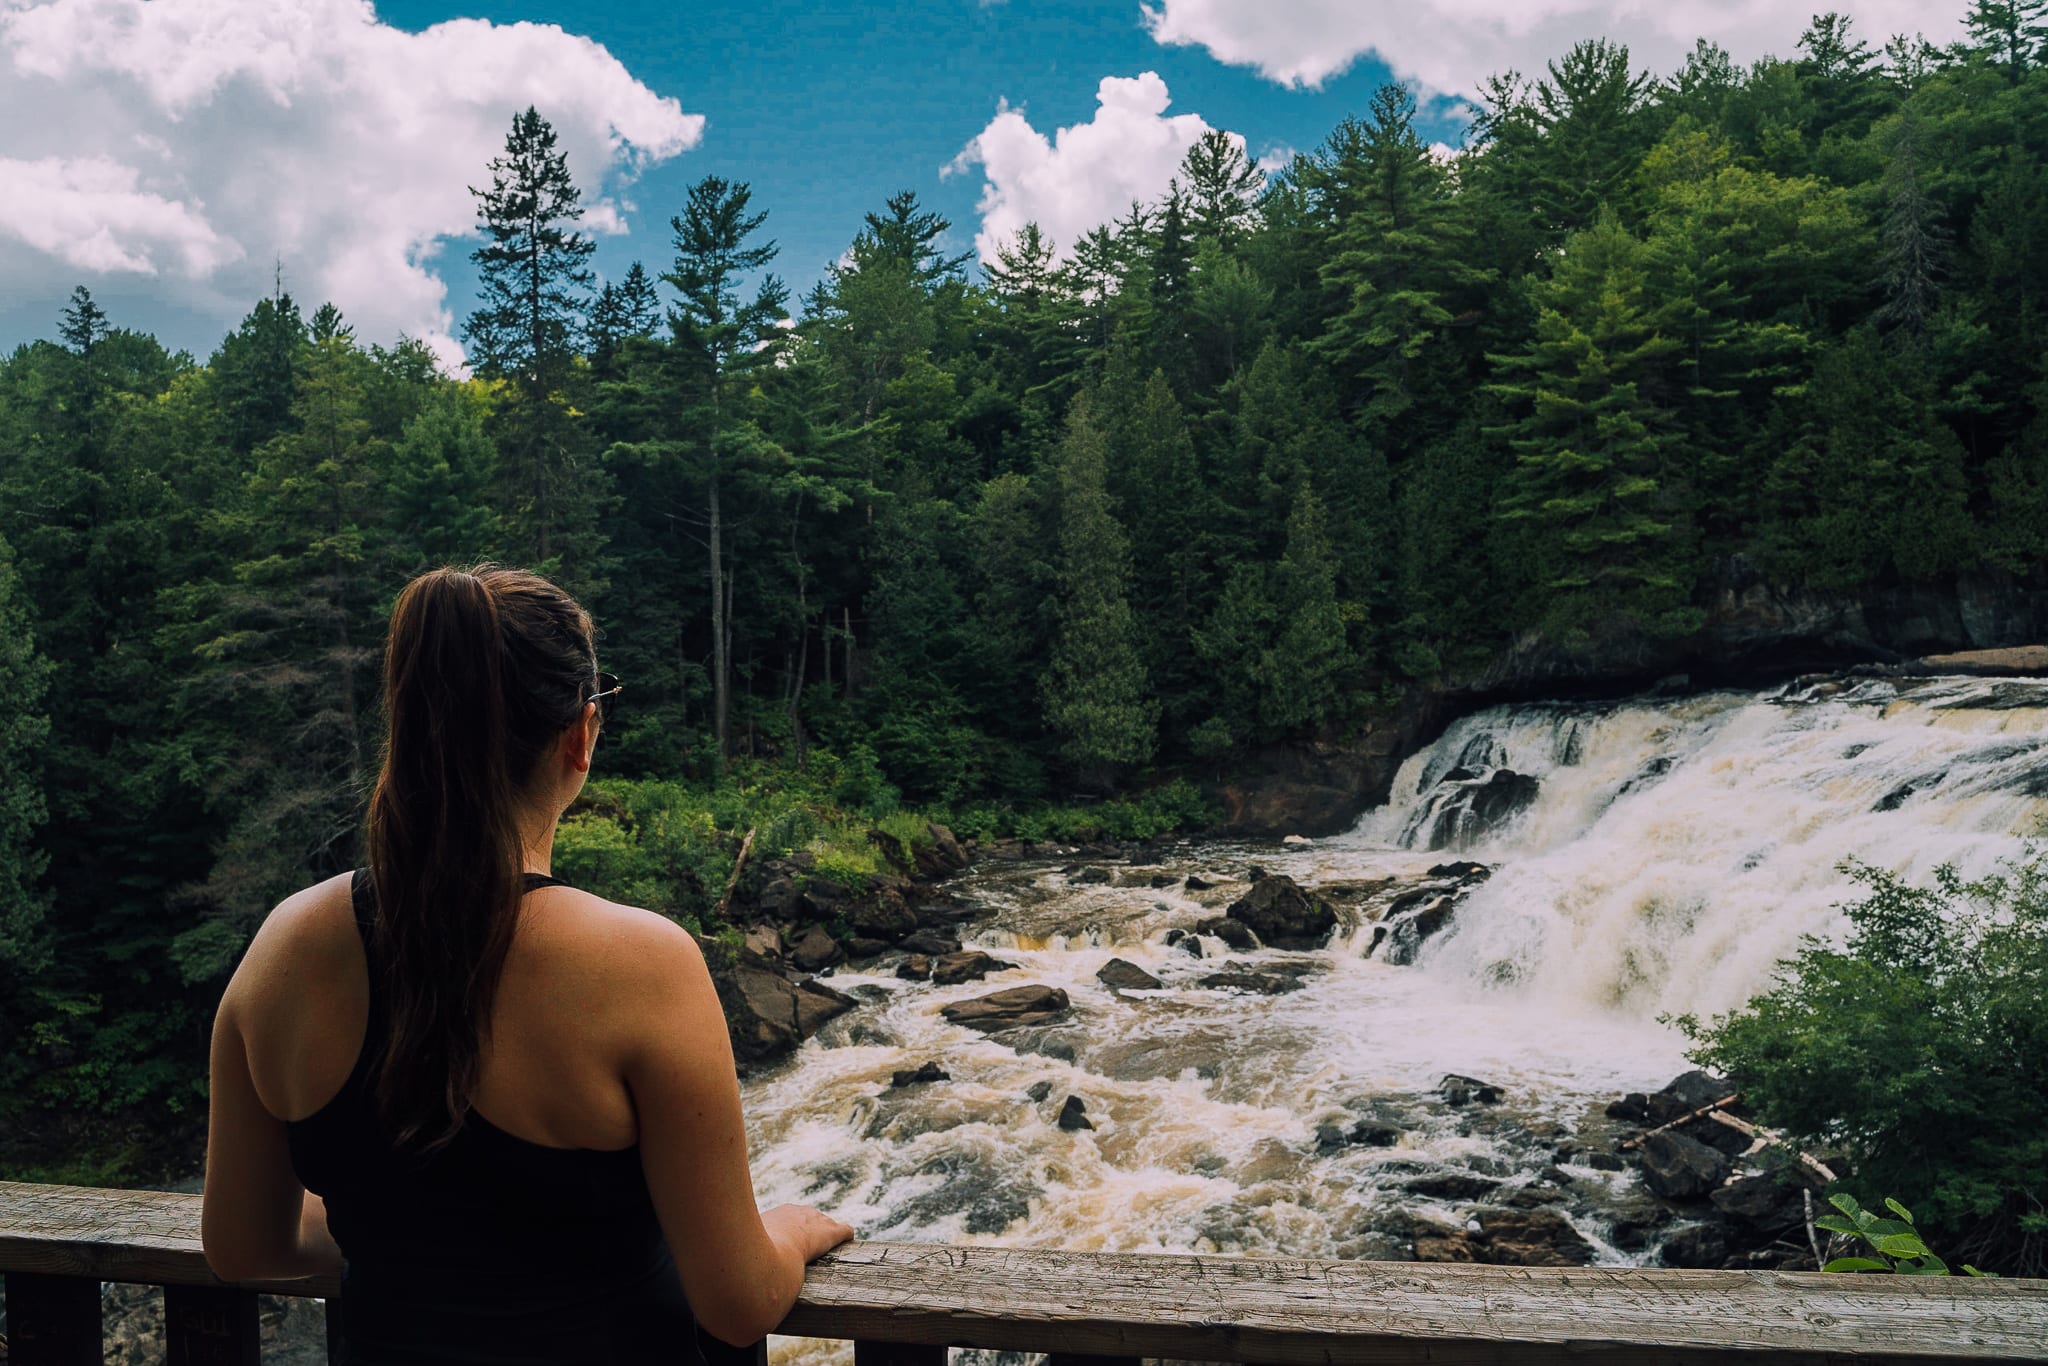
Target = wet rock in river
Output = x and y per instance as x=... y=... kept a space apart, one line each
x=1685 y=1093
x=861 y=947
x=1038 y=1090
x=1457 y=1090
x=1119 y=975
x=815 y=949
x=886 y=916
x=768 y=1015
x=1697 y=1247
x=1681 y=1168
x=1093 y=876
x=1260 y=983
x=1197 y=883
x=931 y=943
x=1409 y=923
x=1074 y=1115
x=1162 y=880
x=1235 y=933
x=1533 y=1237
x=1187 y=943
x=764 y=940
x=1283 y=914
x=951 y=969
x=1452 y=1186
x=1008 y=1009
x=1766 y=1203
x=942 y=855
x=916 y=968
x=930 y=1071
x=1465 y=871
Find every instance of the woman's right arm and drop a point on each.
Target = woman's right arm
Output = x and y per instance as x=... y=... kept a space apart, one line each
x=741 y=1269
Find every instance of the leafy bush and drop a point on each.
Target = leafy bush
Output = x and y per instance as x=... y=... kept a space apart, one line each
x=1895 y=1244
x=1917 y=1046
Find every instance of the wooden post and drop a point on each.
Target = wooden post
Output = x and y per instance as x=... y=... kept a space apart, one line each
x=868 y=1353
x=53 y=1320
x=209 y=1326
x=717 y=1353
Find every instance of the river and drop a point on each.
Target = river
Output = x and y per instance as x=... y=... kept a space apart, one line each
x=1651 y=857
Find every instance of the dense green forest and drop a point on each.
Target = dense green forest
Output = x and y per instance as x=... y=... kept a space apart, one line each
x=1241 y=467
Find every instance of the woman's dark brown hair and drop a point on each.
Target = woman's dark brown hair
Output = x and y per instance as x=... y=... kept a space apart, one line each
x=483 y=669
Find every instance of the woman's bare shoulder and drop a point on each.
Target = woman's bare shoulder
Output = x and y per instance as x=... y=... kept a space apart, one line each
x=624 y=942
x=310 y=932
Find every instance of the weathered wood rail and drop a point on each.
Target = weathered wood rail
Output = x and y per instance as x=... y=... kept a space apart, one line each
x=905 y=1304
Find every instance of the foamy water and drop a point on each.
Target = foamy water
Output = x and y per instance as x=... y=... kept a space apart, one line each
x=1673 y=851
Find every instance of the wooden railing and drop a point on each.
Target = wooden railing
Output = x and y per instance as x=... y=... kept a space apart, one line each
x=905 y=1304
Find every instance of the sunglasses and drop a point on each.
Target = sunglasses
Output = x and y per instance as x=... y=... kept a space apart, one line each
x=606 y=697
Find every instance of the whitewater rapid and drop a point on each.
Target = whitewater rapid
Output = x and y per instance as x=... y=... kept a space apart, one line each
x=1651 y=857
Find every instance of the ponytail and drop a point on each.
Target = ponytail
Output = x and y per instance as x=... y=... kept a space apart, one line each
x=483 y=669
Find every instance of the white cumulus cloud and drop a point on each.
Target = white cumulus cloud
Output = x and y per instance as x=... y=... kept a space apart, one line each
x=1449 y=46
x=1084 y=175
x=198 y=143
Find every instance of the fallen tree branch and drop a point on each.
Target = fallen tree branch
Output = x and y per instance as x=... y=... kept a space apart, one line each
x=738 y=866
x=1762 y=1137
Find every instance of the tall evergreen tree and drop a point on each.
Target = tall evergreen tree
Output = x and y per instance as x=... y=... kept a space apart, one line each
x=2013 y=32
x=1222 y=186
x=534 y=274
x=1916 y=238
x=721 y=338
x=1097 y=698
x=24 y=731
x=84 y=323
x=625 y=308
x=1608 y=541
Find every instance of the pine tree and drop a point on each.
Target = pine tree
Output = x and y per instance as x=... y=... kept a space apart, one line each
x=625 y=308
x=1396 y=263
x=24 y=733
x=2013 y=32
x=721 y=339
x=1222 y=186
x=84 y=324
x=534 y=275
x=1096 y=695
x=1914 y=259
x=1591 y=483
x=255 y=372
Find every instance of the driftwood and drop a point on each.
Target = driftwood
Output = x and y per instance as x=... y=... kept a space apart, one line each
x=1760 y=1137
x=739 y=866
x=1284 y=1312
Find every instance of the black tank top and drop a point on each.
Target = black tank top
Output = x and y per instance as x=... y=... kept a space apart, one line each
x=495 y=1249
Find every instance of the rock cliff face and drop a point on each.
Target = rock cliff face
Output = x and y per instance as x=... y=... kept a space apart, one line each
x=1754 y=634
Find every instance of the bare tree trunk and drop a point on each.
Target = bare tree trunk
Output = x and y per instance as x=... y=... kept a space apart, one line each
x=846 y=619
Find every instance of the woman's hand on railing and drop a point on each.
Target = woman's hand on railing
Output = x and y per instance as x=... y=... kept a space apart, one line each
x=807 y=1232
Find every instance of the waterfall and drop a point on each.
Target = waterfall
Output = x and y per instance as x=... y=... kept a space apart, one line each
x=1658 y=856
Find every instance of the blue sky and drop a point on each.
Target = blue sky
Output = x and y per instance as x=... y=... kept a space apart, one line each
x=171 y=154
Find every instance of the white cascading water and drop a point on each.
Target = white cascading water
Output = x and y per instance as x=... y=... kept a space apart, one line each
x=1652 y=857
x=1676 y=850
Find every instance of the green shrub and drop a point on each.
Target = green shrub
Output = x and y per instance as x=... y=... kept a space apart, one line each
x=1916 y=1047
x=1894 y=1244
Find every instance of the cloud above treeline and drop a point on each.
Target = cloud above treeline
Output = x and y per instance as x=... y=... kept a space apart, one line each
x=1081 y=176
x=1450 y=46
x=202 y=144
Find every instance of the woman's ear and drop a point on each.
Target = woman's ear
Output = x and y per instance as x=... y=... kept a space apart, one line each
x=579 y=739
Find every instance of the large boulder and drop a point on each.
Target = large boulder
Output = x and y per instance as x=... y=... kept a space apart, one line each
x=1284 y=914
x=942 y=856
x=815 y=949
x=1531 y=1237
x=768 y=1015
x=931 y=943
x=1765 y=1202
x=1235 y=933
x=951 y=969
x=884 y=915
x=1681 y=1168
x=1120 y=975
x=1008 y=1009
x=1400 y=936
x=1694 y=1090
